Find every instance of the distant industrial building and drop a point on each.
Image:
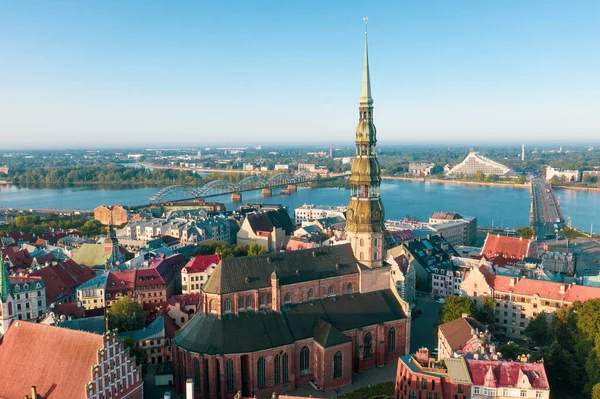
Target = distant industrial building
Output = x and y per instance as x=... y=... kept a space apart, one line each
x=420 y=169
x=475 y=162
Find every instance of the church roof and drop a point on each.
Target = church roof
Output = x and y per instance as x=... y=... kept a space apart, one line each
x=323 y=319
x=253 y=272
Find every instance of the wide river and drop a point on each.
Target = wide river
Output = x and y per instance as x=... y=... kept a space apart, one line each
x=500 y=206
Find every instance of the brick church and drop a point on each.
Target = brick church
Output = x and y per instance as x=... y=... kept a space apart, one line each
x=273 y=322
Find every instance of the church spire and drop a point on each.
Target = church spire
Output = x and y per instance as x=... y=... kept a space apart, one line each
x=365 y=95
x=5 y=288
x=364 y=218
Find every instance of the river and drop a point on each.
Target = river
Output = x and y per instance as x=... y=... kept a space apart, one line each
x=500 y=206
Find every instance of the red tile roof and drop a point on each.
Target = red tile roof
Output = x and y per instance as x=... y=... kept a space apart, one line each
x=121 y=281
x=507 y=374
x=59 y=366
x=544 y=289
x=185 y=300
x=69 y=309
x=62 y=280
x=19 y=258
x=460 y=331
x=201 y=263
x=508 y=250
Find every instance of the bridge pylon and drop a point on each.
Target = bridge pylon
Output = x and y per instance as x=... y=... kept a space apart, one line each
x=236 y=197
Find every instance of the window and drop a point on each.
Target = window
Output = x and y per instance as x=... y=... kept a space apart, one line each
x=523 y=394
x=375 y=255
x=412 y=395
x=424 y=383
x=392 y=340
x=361 y=256
x=539 y=394
x=213 y=306
x=227 y=305
x=284 y=367
x=429 y=395
x=277 y=369
x=196 y=372
x=331 y=290
x=375 y=244
x=362 y=242
x=304 y=361
x=262 y=300
x=287 y=298
x=241 y=303
x=262 y=375
x=248 y=302
x=436 y=395
x=433 y=385
x=368 y=346
x=349 y=287
x=476 y=390
x=310 y=294
x=337 y=365
x=461 y=388
x=505 y=392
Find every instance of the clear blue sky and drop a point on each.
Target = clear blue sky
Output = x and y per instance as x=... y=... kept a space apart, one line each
x=110 y=73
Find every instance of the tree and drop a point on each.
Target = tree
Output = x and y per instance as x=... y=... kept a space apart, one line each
x=596 y=391
x=485 y=315
x=537 y=329
x=454 y=308
x=126 y=315
x=570 y=234
x=525 y=232
x=479 y=176
x=91 y=228
x=141 y=357
x=255 y=249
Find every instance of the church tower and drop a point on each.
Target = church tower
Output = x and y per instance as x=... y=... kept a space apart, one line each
x=364 y=218
x=7 y=300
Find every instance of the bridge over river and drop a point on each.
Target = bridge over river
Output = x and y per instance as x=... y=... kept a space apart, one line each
x=546 y=217
x=178 y=193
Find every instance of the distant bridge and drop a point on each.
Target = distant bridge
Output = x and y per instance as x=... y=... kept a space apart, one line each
x=223 y=187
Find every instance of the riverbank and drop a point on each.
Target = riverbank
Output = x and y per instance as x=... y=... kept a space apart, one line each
x=575 y=188
x=466 y=183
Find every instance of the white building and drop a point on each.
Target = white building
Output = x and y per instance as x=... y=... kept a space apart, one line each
x=30 y=296
x=312 y=212
x=283 y=167
x=569 y=175
x=195 y=273
x=475 y=162
x=420 y=168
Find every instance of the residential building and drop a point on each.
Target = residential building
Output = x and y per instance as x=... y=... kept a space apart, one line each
x=29 y=297
x=475 y=162
x=518 y=300
x=310 y=167
x=420 y=169
x=91 y=294
x=183 y=307
x=271 y=229
x=311 y=212
x=505 y=380
x=426 y=254
x=505 y=250
x=115 y=215
x=153 y=339
x=195 y=273
x=464 y=337
x=418 y=376
x=66 y=364
x=282 y=167
x=403 y=274
x=456 y=229
x=62 y=279
x=16 y=258
x=567 y=175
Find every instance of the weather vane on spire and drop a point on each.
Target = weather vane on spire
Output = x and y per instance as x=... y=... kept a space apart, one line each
x=366 y=19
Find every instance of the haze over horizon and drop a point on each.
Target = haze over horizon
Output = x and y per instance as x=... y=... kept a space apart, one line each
x=112 y=74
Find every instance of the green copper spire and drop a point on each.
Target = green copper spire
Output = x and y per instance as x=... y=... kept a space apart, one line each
x=5 y=287
x=365 y=95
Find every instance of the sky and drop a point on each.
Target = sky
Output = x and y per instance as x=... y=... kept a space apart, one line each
x=142 y=73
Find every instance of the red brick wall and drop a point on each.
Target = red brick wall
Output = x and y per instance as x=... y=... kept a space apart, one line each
x=329 y=382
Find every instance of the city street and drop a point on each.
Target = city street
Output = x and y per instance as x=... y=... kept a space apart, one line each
x=546 y=211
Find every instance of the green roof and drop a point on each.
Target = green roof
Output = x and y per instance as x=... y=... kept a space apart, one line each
x=323 y=319
x=5 y=288
x=92 y=255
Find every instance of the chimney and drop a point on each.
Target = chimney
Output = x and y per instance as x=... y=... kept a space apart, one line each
x=465 y=315
x=33 y=392
x=512 y=282
x=189 y=388
x=561 y=289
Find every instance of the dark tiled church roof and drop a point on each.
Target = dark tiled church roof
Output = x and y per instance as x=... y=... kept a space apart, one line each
x=324 y=320
x=253 y=272
x=265 y=221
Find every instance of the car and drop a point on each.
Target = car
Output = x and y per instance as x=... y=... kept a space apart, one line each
x=441 y=300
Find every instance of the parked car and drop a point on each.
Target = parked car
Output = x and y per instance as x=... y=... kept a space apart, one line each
x=441 y=300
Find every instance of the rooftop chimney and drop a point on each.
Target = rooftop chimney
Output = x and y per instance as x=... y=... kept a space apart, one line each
x=33 y=392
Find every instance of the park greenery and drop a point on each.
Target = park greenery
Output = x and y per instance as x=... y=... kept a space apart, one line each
x=377 y=391
x=456 y=306
x=125 y=314
x=36 y=225
x=229 y=250
x=525 y=232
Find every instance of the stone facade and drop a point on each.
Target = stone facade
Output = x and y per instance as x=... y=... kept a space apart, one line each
x=30 y=297
x=115 y=215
